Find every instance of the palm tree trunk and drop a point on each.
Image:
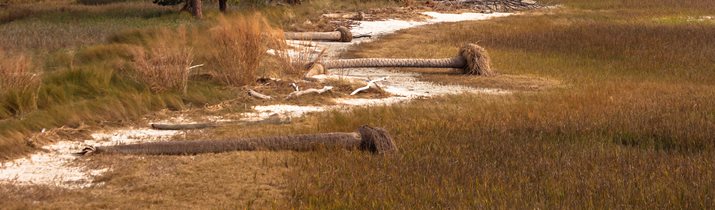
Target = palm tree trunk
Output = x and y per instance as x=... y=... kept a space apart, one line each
x=472 y=59
x=313 y=35
x=455 y=62
x=222 y=5
x=342 y=34
x=367 y=138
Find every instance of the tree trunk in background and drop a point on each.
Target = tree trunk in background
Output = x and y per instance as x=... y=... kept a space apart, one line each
x=222 y=5
x=196 y=8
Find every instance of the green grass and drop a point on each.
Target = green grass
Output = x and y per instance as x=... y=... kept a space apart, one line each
x=86 y=55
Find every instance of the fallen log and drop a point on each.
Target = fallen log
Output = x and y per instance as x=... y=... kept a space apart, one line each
x=352 y=16
x=187 y=126
x=342 y=34
x=472 y=59
x=375 y=140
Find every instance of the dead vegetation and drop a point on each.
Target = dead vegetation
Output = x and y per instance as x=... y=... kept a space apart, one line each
x=164 y=65
x=237 y=47
x=630 y=127
x=19 y=85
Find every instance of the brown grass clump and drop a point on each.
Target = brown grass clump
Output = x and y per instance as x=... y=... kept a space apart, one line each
x=478 y=61
x=236 y=48
x=164 y=64
x=18 y=85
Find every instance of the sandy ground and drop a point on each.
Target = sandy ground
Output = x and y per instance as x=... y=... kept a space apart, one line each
x=54 y=166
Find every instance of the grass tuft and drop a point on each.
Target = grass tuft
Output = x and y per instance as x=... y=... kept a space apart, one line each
x=164 y=64
x=236 y=47
x=19 y=86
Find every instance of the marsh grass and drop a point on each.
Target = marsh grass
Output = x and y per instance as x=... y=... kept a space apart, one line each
x=33 y=29
x=236 y=47
x=629 y=126
x=19 y=85
x=164 y=65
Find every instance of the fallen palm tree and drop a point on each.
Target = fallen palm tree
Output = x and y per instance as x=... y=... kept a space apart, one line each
x=342 y=34
x=375 y=140
x=472 y=59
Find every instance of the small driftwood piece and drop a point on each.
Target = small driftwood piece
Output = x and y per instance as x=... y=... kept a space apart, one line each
x=375 y=140
x=309 y=91
x=258 y=95
x=295 y=87
x=187 y=126
x=342 y=35
x=195 y=66
x=369 y=84
x=362 y=36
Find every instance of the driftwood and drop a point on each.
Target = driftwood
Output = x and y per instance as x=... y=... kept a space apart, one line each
x=375 y=140
x=369 y=84
x=295 y=87
x=187 y=126
x=472 y=59
x=195 y=66
x=309 y=91
x=258 y=95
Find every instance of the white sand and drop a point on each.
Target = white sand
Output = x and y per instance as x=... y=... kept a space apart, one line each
x=53 y=167
x=377 y=28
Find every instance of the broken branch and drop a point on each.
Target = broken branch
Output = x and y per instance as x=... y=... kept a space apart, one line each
x=309 y=91
x=258 y=95
x=370 y=83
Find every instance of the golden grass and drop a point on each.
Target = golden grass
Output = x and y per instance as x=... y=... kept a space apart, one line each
x=164 y=65
x=19 y=85
x=629 y=125
x=62 y=25
x=215 y=181
x=236 y=48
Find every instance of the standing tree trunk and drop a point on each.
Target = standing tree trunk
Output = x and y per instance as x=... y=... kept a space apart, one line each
x=195 y=6
x=222 y=5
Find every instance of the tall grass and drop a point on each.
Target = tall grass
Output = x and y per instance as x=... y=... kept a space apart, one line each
x=48 y=27
x=236 y=47
x=630 y=127
x=164 y=64
x=19 y=85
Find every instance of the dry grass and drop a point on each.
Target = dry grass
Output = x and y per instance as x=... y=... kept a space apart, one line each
x=629 y=126
x=220 y=181
x=58 y=25
x=164 y=64
x=19 y=85
x=237 y=47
